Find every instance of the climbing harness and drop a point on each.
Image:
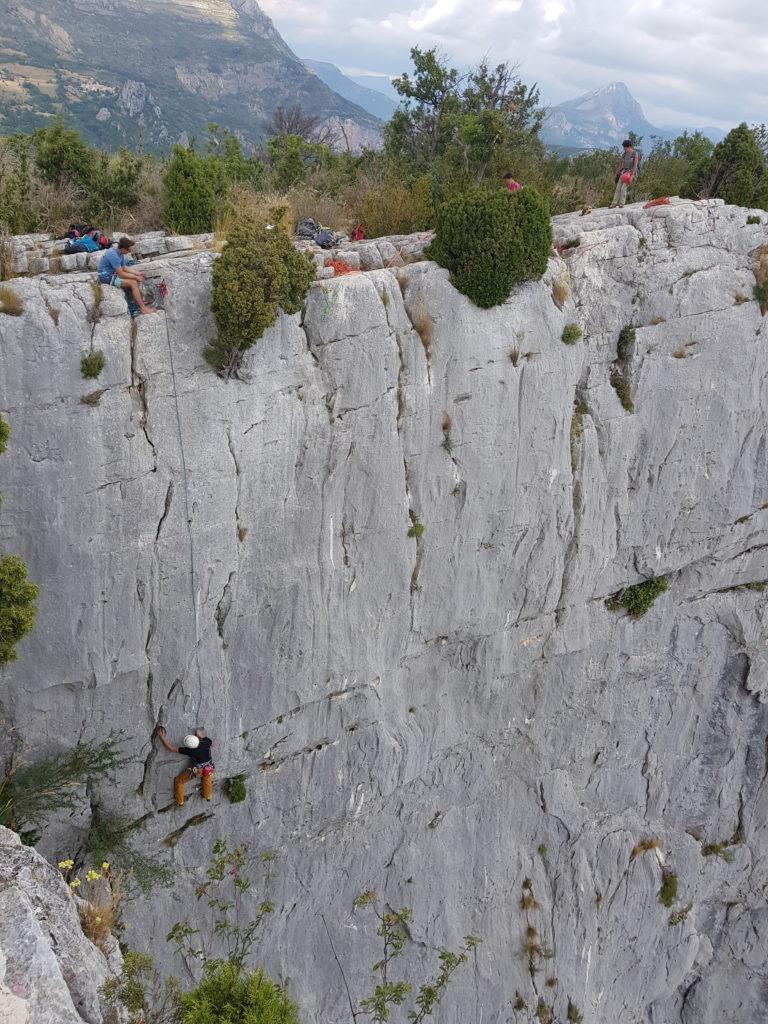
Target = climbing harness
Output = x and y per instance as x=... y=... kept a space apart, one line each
x=194 y=593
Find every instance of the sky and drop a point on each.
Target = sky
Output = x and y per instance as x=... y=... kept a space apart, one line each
x=689 y=63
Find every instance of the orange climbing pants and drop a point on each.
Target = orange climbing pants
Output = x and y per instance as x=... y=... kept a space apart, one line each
x=206 y=785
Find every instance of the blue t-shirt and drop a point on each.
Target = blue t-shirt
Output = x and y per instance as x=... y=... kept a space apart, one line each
x=108 y=265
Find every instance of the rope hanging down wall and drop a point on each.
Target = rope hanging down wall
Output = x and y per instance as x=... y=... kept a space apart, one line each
x=194 y=592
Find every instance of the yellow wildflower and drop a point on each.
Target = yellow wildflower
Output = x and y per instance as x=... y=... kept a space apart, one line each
x=105 y=865
x=98 y=920
x=92 y=876
x=66 y=865
x=74 y=884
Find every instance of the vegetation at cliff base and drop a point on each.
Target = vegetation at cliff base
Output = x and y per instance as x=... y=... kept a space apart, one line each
x=258 y=273
x=228 y=996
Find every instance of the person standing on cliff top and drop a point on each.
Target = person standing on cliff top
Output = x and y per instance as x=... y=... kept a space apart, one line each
x=197 y=746
x=625 y=173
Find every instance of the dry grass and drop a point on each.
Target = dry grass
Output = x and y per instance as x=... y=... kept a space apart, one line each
x=740 y=298
x=259 y=207
x=6 y=257
x=561 y=291
x=10 y=303
x=424 y=326
x=99 y=914
x=657 y=320
x=644 y=846
x=94 y=313
x=93 y=397
x=53 y=312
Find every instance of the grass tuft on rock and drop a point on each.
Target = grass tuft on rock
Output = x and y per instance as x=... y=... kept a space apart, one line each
x=10 y=303
x=92 y=364
x=571 y=334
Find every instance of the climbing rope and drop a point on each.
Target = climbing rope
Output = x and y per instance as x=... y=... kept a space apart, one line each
x=163 y=291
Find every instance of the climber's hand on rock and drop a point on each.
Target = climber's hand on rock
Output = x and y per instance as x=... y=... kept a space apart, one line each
x=160 y=730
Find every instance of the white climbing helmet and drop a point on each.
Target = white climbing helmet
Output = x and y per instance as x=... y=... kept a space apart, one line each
x=191 y=742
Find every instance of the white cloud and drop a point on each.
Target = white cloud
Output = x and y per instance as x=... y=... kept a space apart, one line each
x=690 y=61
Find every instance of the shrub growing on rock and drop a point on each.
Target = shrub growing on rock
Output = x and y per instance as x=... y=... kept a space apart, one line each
x=234 y=789
x=571 y=334
x=258 y=273
x=188 y=197
x=17 y=606
x=5 y=433
x=638 y=599
x=491 y=241
x=92 y=364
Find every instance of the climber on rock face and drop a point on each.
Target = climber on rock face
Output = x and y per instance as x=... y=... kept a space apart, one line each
x=197 y=746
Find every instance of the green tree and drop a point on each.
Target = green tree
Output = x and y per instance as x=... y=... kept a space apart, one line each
x=737 y=171
x=189 y=202
x=491 y=241
x=258 y=273
x=61 y=154
x=31 y=792
x=227 y=996
x=461 y=125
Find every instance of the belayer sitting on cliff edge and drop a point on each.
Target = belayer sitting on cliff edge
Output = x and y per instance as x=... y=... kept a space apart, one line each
x=197 y=746
x=114 y=270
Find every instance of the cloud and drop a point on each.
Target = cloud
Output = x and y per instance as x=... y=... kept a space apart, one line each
x=688 y=61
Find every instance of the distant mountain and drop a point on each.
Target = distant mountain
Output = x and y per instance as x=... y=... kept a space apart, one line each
x=603 y=118
x=600 y=119
x=159 y=70
x=374 y=102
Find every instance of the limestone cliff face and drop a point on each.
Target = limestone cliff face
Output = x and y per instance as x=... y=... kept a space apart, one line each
x=50 y=973
x=419 y=714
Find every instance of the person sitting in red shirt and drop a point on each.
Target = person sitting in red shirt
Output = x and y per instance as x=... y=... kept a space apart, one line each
x=512 y=185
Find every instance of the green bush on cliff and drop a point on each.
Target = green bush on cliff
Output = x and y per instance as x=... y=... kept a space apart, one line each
x=258 y=273
x=638 y=599
x=225 y=996
x=17 y=606
x=5 y=433
x=491 y=241
x=188 y=197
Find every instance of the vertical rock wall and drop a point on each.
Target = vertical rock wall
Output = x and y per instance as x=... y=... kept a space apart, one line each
x=437 y=713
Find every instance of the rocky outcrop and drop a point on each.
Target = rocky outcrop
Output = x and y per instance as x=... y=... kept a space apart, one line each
x=50 y=973
x=392 y=550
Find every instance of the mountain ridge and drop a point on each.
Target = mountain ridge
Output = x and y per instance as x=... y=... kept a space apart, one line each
x=139 y=70
x=601 y=118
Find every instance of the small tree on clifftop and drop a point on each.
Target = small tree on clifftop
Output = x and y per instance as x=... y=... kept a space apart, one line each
x=188 y=197
x=258 y=273
x=491 y=241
